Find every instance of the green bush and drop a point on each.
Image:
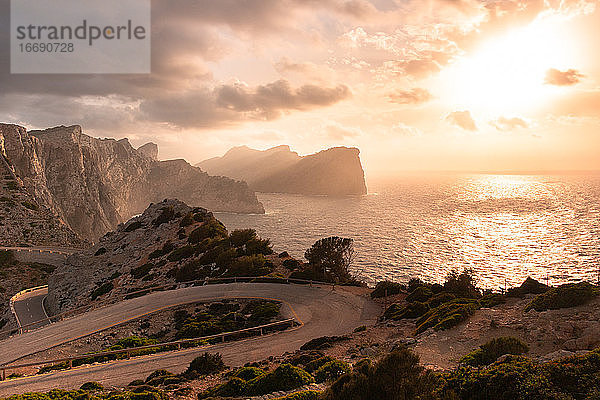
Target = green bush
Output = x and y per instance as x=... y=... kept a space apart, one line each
x=303 y=395
x=564 y=296
x=102 y=290
x=91 y=386
x=181 y=253
x=240 y=237
x=421 y=294
x=291 y=264
x=249 y=266
x=259 y=246
x=207 y=364
x=398 y=376
x=447 y=315
x=159 y=373
x=489 y=352
x=284 y=377
x=210 y=229
x=322 y=342
x=132 y=342
x=331 y=370
x=392 y=288
x=318 y=363
x=234 y=387
x=439 y=299
x=462 y=284
x=410 y=311
x=248 y=373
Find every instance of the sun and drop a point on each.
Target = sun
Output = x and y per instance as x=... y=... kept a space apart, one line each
x=506 y=74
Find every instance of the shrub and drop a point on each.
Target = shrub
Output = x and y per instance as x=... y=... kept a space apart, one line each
x=102 y=290
x=7 y=258
x=284 y=377
x=248 y=373
x=331 y=370
x=318 y=363
x=207 y=364
x=398 y=376
x=392 y=288
x=303 y=395
x=262 y=311
x=100 y=251
x=91 y=386
x=234 y=387
x=322 y=342
x=249 y=266
x=166 y=249
x=447 y=315
x=529 y=286
x=187 y=220
x=240 y=237
x=422 y=294
x=141 y=271
x=489 y=352
x=159 y=373
x=132 y=342
x=410 y=311
x=133 y=226
x=259 y=246
x=291 y=264
x=210 y=229
x=330 y=258
x=30 y=205
x=564 y=296
x=440 y=299
x=361 y=328
x=166 y=215
x=181 y=253
x=462 y=284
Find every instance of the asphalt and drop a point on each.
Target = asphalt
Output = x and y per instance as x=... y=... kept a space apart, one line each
x=320 y=310
x=29 y=309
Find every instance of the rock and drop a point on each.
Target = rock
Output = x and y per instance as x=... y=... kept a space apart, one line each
x=95 y=184
x=555 y=355
x=336 y=171
x=150 y=150
x=369 y=352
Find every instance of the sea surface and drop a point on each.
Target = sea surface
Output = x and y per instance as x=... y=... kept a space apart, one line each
x=504 y=227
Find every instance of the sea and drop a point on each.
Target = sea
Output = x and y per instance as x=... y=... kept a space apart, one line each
x=503 y=227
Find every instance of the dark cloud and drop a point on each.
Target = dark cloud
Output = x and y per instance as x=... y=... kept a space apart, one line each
x=412 y=96
x=509 y=124
x=231 y=104
x=563 y=78
x=462 y=119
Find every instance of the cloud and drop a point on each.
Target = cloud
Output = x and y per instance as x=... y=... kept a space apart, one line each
x=509 y=124
x=230 y=104
x=336 y=131
x=412 y=96
x=462 y=119
x=563 y=78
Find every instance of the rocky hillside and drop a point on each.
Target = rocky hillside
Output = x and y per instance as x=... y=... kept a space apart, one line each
x=24 y=222
x=170 y=242
x=95 y=184
x=336 y=171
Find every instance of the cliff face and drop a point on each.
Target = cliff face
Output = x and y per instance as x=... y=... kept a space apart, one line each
x=336 y=171
x=95 y=184
x=23 y=220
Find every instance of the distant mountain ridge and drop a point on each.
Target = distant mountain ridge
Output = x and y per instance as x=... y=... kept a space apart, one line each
x=336 y=171
x=95 y=184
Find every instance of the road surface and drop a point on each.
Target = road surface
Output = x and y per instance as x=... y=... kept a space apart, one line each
x=29 y=308
x=321 y=310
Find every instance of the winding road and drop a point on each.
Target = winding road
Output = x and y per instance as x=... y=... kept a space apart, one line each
x=320 y=310
x=29 y=308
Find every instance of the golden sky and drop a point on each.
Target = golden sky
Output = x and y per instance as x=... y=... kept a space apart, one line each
x=416 y=84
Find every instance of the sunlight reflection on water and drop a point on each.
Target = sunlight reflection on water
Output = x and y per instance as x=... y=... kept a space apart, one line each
x=505 y=227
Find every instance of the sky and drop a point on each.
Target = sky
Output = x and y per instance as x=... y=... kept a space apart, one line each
x=466 y=85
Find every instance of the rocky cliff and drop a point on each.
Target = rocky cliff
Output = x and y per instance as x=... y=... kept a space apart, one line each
x=95 y=184
x=169 y=242
x=336 y=171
